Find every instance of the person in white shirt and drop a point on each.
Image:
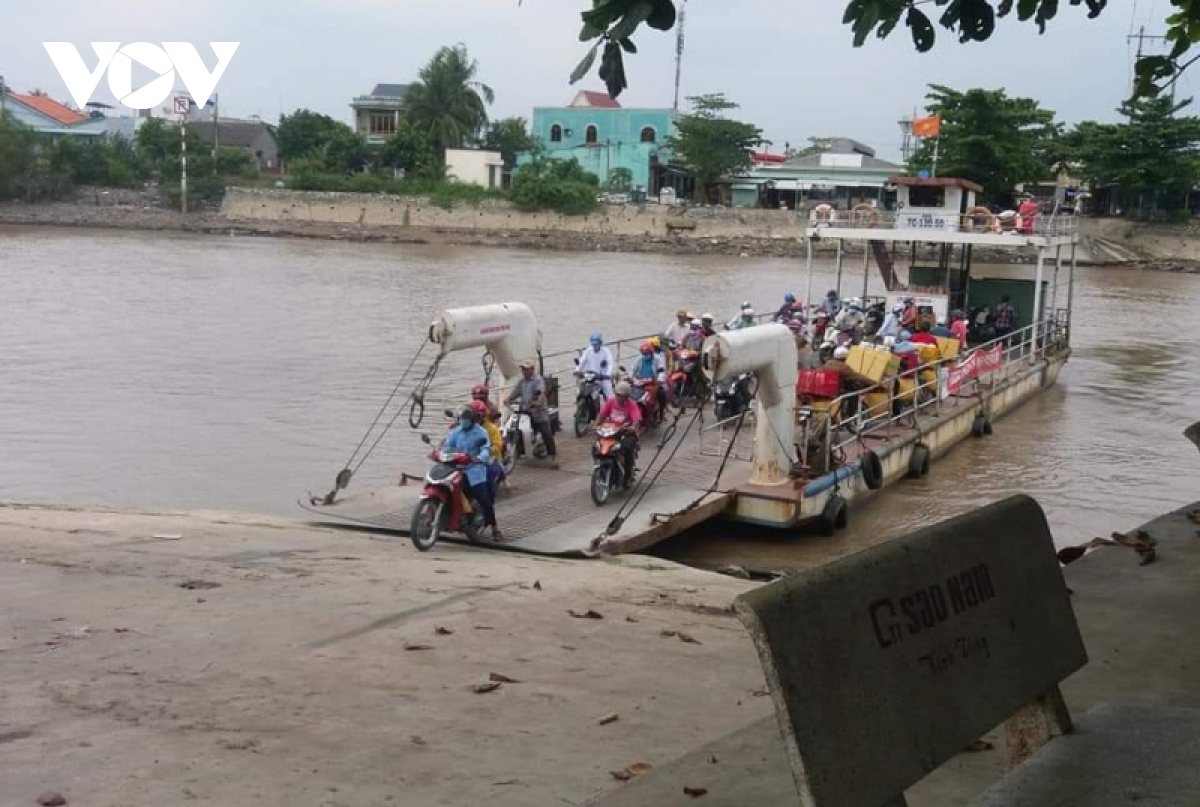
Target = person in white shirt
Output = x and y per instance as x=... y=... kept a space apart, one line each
x=598 y=359
x=679 y=328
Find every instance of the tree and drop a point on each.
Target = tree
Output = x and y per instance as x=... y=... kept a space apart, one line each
x=562 y=185
x=447 y=103
x=611 y=23
x=620 y=180
x=410 y=151
x=816 y=145
x=510 y=137
x=1154 y=155
x=18 y=157
x=987 y=137
x=710 y=145
x=304 y=132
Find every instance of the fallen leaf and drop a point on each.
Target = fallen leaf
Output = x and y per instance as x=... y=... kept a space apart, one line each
x=537 y=585
x=417 y=739
x=484 y=627
x=167 y=536
x=248 y=744
x=630 y=619
x=198 y=585
x=502 y=679
x=415 y=646
x=760 y=693
x=694 y=792
x=976 y=746
x=668 y=633
x=506 y=782
x=440 y=631
x=120 y=630
x=51 y=800
x=621 y=776
x=441 y=571
x=639 y=768
x=687 y=638
x=490 y=686
x=609 y=718
x=713 y=759
x=588 y=614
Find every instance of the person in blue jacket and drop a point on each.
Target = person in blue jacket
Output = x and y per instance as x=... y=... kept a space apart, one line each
x=471 y=439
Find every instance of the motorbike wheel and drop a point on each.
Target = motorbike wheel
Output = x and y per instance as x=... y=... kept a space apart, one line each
x=426 y=526
x=473 y=527
x=508 y=460
x=583 y=418
x=601 y=484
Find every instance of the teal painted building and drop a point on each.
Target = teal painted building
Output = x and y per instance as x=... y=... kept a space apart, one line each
x=602 y=135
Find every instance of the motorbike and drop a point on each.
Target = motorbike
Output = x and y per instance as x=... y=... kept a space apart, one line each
x=732 y=396
x=520 y=439
x=646 y=396
x=588 y=401
x=875 y=317
x=608 y=471
x=444 y=505
x=687 y=382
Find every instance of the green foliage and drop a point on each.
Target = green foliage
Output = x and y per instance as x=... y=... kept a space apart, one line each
x=1154 y=155
x=18 y=159
x=447 y=104
x=710 y=145
x=441 y=192
x=156 y=142
x=304 y=131
x=510 y=137
x=620 y=180
x=410 y=151
x=561 y=185
x=987 y=137
x=111 y=162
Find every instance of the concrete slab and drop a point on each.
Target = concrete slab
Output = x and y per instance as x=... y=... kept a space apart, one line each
x=1137 y=622
x=1118 y=755
x=885 y=664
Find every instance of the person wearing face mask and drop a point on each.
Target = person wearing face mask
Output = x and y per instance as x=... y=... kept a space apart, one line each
x=596 y=358
x=471 y=439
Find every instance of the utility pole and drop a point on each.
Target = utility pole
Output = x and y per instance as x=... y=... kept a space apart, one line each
x=216 y=130
x=183 y=164
x=1141 y=36
x=679 y=42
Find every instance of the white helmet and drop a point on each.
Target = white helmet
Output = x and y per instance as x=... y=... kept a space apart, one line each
x=897 y=309
x=745 y=304
x=696 y=323
x=706 y=315
x=889 y=341
x=841 y=352
x=827 y=345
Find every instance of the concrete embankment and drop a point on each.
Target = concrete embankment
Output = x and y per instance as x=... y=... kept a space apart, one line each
x=629 y=228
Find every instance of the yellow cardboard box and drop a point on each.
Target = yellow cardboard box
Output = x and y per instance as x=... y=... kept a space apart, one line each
x=876 y=404
x=908 y=388
x=874 y=364
x=949 y=347
x=928 y=353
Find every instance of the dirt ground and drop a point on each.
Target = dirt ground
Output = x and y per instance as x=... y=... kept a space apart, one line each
x=177 y=659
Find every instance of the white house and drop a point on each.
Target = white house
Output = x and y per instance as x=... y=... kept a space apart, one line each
x=475 y=167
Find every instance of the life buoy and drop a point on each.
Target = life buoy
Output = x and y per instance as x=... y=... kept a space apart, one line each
x=864 y=215
x=822 y=215
x=980 y=219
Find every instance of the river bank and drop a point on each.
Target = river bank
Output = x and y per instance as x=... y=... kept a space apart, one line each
x=213 y=658
x=396 y=220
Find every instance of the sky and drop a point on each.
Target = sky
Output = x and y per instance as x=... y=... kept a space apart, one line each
x=790 y=64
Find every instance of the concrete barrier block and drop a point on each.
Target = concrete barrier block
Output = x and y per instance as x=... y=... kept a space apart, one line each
x=887 y=663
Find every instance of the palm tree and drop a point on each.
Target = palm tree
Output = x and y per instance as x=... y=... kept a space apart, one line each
x=447 y=103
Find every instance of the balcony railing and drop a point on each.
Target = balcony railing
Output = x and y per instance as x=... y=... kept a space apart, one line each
x=984 y=223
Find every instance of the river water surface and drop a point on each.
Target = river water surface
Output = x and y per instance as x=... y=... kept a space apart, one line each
x=181 y=372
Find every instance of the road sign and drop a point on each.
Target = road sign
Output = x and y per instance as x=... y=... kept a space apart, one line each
x=182 y=104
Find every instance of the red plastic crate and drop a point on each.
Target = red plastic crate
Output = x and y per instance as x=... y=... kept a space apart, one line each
x=819 y=383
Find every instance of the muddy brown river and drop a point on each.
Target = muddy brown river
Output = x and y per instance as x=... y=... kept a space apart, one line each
x=163 y=371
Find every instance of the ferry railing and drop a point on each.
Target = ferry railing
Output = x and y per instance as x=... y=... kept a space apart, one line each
x=716 y=438
x=847 y=419
x=1044 y=224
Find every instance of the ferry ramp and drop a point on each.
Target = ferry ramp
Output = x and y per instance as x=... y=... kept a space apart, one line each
x=549 y=511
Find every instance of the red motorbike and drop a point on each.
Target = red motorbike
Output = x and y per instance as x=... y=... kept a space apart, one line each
x=687 y=382
x=444 y=505
x=646 y=394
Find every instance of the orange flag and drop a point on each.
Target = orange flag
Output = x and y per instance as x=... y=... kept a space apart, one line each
x=930 y=126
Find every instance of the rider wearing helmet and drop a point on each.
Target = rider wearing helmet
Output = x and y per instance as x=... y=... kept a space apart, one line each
x=706 y=324
x=598 y=359
x=471 y=439
x=623 y=410
x=695 y=336
x=746 y=320
x=851 y=379
x=482 y=394
x=791 y=309
x=649 y=368
x=891 y=323
x=832 y=303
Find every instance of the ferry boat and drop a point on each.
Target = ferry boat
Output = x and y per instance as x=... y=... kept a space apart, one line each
x=795 y=460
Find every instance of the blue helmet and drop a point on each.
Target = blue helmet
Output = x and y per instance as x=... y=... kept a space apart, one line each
x=596 y=338
x=789 y=298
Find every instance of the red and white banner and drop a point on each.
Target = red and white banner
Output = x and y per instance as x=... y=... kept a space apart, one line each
x=973 y=366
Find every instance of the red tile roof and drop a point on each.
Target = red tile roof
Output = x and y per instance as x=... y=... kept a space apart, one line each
x=600 y=99
x=51 y=108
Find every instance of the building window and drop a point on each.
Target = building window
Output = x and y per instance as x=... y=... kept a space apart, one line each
x=926 y=196
x=649 y=135
x=556 y=134
x=592 y=135
x=382 y=123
